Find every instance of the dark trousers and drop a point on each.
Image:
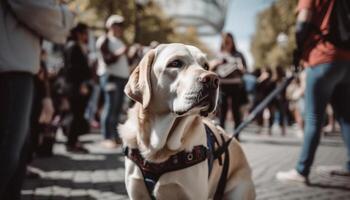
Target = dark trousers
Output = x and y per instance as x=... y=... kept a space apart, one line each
x=233 y=93
x=16 y=95
x=79 y=124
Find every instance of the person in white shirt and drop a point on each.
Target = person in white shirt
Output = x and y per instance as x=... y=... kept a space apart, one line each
x=113 y=70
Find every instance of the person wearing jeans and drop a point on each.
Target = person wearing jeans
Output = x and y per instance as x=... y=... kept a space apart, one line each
x=325 y=83
x=20 y=34
x=113 y=89
x=113 y=70
x=327 y=80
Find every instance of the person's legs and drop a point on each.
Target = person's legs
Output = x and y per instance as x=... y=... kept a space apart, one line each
x=91 y=109
x=283 y=112
x=272 y=111
x=74 y=125
x=236 y=110
x=223 y=108
x=320 y=83
x=340 y=103
x=79 y=124
x=15 y=185
x=114 y=98
x=116 y=103
x=16 y=90
x=106 y=107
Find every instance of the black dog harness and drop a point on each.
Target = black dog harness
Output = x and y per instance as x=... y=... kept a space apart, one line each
x=153 y=171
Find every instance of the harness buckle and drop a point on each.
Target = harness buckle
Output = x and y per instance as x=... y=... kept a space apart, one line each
x=190 y=156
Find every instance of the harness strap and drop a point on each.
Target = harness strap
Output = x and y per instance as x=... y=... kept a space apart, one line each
x=153 y=171
x=218 y=152
x=219 y=194
x=211 y=145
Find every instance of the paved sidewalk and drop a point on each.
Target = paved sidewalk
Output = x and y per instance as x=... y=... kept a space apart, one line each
x=100 y=175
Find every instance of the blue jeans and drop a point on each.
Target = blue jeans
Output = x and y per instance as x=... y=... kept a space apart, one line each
x=113 y=89
x=16 y=94
x=92 y=106
x=325 y=83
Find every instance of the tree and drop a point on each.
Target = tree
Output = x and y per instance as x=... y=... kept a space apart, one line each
x=143 y=23
x=279 y=18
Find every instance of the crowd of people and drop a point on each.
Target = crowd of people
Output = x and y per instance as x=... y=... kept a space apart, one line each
x=87 y=91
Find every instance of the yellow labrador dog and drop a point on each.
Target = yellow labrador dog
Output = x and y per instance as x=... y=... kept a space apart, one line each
x=166 y=131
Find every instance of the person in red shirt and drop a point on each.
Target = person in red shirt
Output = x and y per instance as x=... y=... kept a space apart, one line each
x=327 y=80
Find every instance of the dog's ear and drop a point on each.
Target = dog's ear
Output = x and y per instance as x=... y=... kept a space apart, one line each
x=138 y=87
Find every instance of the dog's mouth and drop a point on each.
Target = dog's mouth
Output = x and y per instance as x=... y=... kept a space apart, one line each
x=204 y=100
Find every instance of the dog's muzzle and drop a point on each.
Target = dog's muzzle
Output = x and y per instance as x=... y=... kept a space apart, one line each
x=209 y=81
x=208 y=93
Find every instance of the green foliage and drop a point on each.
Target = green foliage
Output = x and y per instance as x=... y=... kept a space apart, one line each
x=143 y=24
x=279 y=18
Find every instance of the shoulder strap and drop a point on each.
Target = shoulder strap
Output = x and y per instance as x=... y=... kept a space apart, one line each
x=220 y=190
x=217 y=154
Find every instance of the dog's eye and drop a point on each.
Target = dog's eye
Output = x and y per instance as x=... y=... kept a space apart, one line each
x=206 y=66
x=176 y=64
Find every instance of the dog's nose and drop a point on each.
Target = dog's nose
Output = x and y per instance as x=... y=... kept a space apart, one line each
x=210 y=80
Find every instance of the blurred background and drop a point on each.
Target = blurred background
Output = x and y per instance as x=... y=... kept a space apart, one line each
x=264 y=39
x=262 y=29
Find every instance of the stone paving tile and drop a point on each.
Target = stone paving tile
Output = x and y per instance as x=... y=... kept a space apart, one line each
x=100 y=174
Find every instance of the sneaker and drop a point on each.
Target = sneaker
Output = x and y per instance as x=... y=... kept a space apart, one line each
x=291 y=176
x=109 y=144
x=299 y=133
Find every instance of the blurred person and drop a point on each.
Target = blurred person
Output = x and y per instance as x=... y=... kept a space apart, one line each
x=327 y=80
x=114 y=71
x=267 y=82
x=280 y=103
x=135 y=54
x=137 y=51
x=265 y=85
x=295 y=95
x=250 y=83
x=91 y=112
x=252 y=95
x=20 y=35
x=59 y=91
x=41 y=113
x=230 y=67
x=78 y=75
x=330 y=120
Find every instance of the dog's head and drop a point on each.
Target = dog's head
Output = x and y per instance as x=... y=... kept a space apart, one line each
x=174 y=78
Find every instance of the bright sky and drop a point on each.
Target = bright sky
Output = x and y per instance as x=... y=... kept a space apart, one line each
x=240 y=21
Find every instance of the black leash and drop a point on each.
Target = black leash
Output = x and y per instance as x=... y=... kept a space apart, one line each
x=259 y=108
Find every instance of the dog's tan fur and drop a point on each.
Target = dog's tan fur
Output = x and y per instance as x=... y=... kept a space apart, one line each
x=160 y=126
